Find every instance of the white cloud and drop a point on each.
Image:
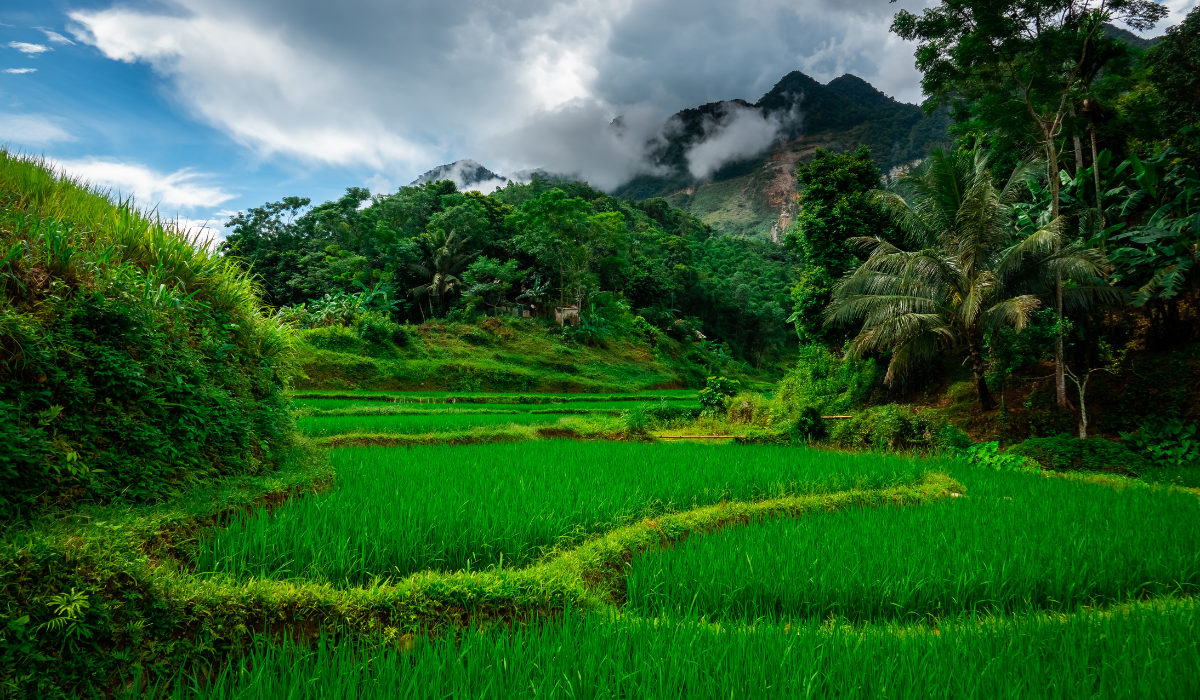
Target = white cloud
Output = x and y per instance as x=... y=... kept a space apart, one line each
x=182 y=189
x=584 y=138
x=739 y=132
x=54 y=37
x=31 y=49
x=208 y=233
x=397 y=88
x=32 y=130
x=19 y=71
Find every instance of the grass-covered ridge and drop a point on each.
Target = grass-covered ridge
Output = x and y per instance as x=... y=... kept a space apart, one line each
x=133 y=362
x=494 y=354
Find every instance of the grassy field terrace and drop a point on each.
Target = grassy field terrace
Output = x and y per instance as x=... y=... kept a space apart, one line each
x=599 y=568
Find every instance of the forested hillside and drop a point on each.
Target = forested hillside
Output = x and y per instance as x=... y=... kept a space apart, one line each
x=644 y=272
x=1039 y=277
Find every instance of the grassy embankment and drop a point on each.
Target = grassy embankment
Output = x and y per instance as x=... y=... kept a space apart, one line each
x=133 y=364
x=412 y=418
x=494 y=354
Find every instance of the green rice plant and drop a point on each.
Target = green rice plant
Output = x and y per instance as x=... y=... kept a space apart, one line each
x=1015 y=543
x=396 y=512
x=414 y=424
x=442 y=397
x=1145 y=651
x=350 y=407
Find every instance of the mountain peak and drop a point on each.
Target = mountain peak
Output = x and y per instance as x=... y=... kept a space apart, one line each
x=467 y=174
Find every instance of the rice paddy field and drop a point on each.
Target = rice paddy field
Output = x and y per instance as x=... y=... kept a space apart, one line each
x=395 y=512
x=682 y=576
x=423 y=397
x=1144 y=651
x=415 y=424
x=1014 y=545
x=359 y=407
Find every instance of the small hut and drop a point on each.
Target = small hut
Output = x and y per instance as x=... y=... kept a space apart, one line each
x=567 y=314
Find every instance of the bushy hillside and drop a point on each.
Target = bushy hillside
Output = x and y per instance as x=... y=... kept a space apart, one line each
x=503 y=354
x=132 y=362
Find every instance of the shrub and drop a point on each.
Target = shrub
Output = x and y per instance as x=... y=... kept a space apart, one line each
x=716 y=393
x=808 y=425
x=336 y=338
x=666 y=412
x=750 y=409
x=1168 y=442
x=375 y=328
x=896 y=428
x=988 y=454
x=826 y=381
x=1063 y=453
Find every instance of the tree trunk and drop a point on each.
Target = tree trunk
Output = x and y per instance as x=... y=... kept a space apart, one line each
x=1096 y=176
x=1078 y=144
x=1060 y=381
x=1083 y=421
x=981 y=388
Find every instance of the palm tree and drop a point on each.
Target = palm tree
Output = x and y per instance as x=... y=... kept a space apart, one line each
x=443 y=269
x=966 y=270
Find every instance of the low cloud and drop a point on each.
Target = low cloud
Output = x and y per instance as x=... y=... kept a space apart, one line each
x=31 y=129
x=182 y=189
x=737 y=133
x=20 y=71
x=586 y=139
x=31 y=49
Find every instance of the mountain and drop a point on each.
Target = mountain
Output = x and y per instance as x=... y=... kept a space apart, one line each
x=733 y=163
x=467 y=174
x=1130 y=38
x=756 y=195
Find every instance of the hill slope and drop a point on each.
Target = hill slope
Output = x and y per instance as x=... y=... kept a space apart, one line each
x=133 y=363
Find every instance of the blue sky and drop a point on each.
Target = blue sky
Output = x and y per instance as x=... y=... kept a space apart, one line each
x=203 y=107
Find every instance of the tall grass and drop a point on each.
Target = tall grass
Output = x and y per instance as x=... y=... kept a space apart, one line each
x=396 y=512
x=81 y=234
x=1016 y=543
x=1143 y=652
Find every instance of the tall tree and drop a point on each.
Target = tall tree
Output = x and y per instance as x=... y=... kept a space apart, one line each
x=1175 y=72
x=1033 y=51
x=962 y=270
x=834 y=208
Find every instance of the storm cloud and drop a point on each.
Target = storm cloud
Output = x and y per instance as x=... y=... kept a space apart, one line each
x=398 y=88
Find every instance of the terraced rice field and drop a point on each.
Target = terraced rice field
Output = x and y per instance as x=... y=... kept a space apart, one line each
x=1012 y=586
x=397 y=512
x=1144 y=651
x=1015 y=544
x=361 y=407
x=416 y=424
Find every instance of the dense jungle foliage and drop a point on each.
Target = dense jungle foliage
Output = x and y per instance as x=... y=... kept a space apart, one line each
x=1067 y=215
x=133 y=364
x=633 y=269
